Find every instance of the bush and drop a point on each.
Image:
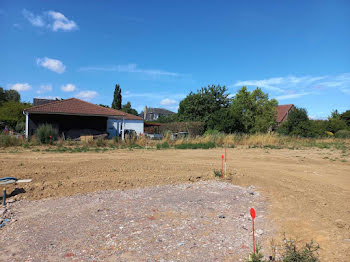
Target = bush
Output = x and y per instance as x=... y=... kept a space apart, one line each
x=7 y=140
x=342 y=134
x=46 y=133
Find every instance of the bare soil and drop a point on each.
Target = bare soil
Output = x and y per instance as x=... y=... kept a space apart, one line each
x=308 y=191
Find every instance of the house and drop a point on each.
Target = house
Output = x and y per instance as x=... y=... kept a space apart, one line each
x=283 y=112
x=152 y=114
x=74 y=117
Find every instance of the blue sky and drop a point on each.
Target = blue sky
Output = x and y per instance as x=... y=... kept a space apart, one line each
x=159 y=51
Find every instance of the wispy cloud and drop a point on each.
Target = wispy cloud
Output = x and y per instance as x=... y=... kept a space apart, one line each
x=52 y=20
x=284 y=97
x=54 y=65
x=168 y=102
x=20 y=87
x=35 y=20
x=130 y=68
x=68 y=88
x=294 y=87
x=44 y=89
x=87 y=94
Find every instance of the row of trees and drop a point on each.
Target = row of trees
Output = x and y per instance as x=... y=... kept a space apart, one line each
x=299 y=124
x=251 y=112
x=246 y=112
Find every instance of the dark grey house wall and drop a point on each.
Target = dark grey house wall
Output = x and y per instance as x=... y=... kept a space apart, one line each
x=64 y=123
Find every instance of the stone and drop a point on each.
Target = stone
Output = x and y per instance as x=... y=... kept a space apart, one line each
x=221 y=216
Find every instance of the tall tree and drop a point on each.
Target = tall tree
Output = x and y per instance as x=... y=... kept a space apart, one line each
x=117 y=98
x=346 y=117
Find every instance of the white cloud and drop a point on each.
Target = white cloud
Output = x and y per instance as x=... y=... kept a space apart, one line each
x=35 y=20
x=60 y=22
x=68 y=88
x=52 y=20
x=168 y=102
x=44 y=88
x=131 y=68
x=51 y=64
x=294 y=87
x=284 y=97
x=20 y=87
x=87 y=94
x=126 y=92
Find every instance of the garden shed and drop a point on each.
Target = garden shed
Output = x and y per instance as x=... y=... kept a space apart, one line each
x=74 y=117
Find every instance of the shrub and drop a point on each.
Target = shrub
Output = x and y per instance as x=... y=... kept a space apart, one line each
x=46 y=133
x=342 y=134
x=7 y=140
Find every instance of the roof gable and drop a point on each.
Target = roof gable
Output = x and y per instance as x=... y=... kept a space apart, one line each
x=282 y=112
x=74 y=106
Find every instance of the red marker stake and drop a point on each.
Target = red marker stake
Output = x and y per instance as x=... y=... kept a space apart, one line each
x=252 y=214
x=222 y=166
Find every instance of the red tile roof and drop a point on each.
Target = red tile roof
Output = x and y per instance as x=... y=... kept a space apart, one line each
x=74 y=106
x=282 y=112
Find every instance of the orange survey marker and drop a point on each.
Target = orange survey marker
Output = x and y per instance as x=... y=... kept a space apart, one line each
x=253 y=215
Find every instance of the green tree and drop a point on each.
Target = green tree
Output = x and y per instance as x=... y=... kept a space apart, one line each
x=2 y=96
x=253 y=111
x=335 y=124
x=12 y=112
x=117 y=98
x=128 y=109
x=12 y=95
x=346 y=117
x=199 y=106
x=297 y=124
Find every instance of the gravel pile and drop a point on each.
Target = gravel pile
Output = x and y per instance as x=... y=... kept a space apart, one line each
x=203 y=221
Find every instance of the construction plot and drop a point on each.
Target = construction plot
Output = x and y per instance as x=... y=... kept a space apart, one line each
x=204 y=221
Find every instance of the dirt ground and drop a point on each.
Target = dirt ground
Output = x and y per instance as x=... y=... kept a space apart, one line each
x=203 y=221
x=308 y=191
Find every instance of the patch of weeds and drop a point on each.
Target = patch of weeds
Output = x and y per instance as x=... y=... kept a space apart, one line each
x=25 y=145
x=36 y=150
x=326 y=157
x=20 y=164
x=163 y=145
x=59 y=183
x=217 y=173
x=288 y=253
x=344 y=160
x=272 y=147
x=195 y=146
x=135 y=146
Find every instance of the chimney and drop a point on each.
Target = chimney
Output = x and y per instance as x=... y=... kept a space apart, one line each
x=145 y=113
